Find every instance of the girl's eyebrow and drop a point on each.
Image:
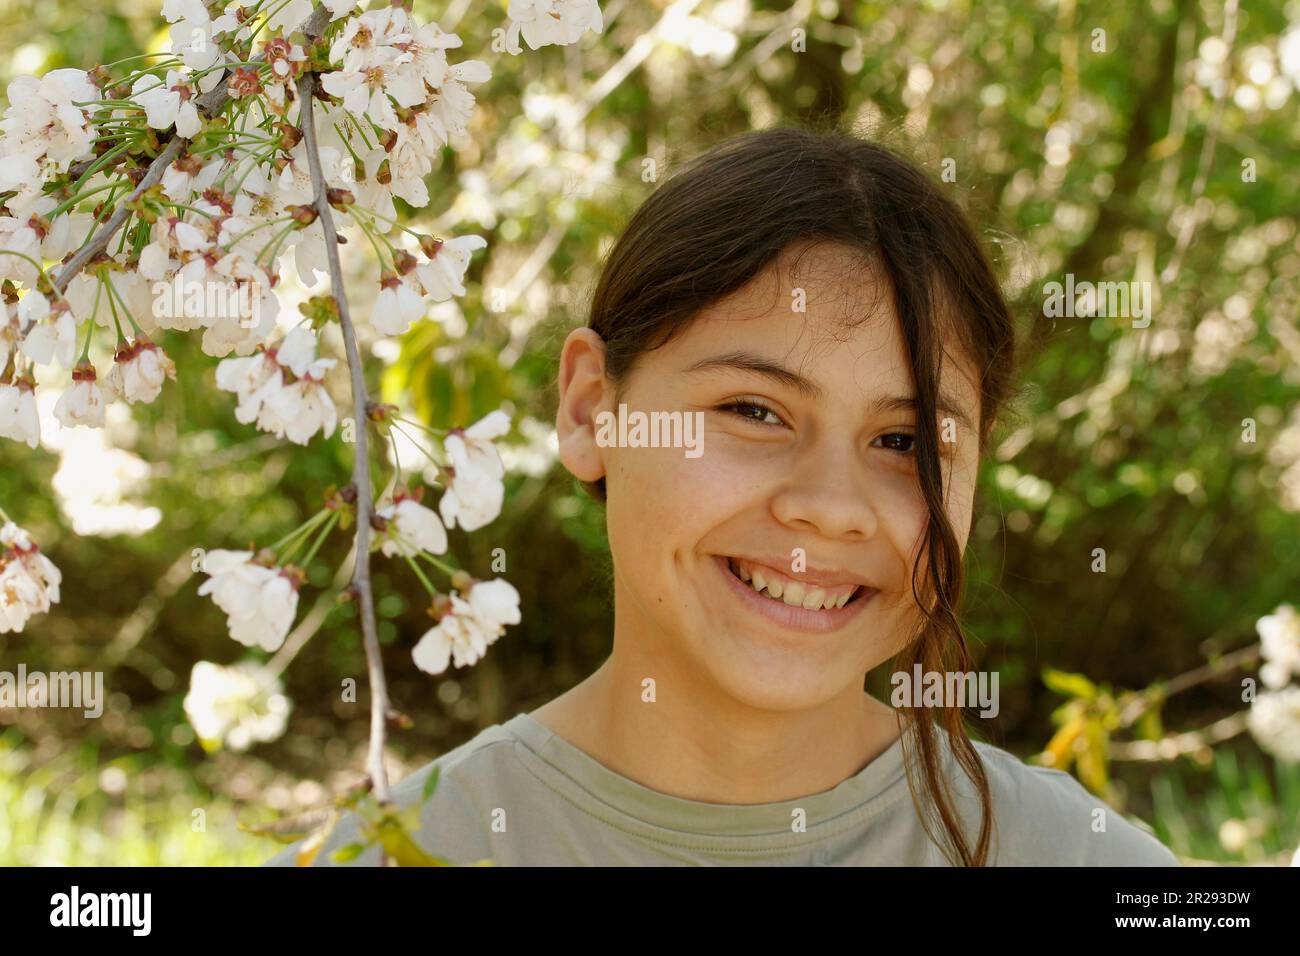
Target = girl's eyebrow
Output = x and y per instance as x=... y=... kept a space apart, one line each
x=750 y=362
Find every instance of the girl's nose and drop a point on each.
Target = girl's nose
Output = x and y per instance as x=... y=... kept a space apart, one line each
x=828 y=495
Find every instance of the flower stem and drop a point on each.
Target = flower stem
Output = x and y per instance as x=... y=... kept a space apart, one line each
x=301 y=531
x=428 y=586
x=442 y=566
x=112 y=291
x=320 y=539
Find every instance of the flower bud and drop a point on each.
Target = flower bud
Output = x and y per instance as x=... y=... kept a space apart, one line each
x=404 y=262
x=304 y=215
x=290 y=136
x=243 y=81
x=340 y=199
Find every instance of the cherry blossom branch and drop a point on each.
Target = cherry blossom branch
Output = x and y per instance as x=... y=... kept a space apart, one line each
x=1142 y=702
x=1181 y=744
x=210 y=103
x=361 y=463
x=99 y=241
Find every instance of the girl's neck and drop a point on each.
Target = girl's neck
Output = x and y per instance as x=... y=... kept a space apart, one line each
x=694 y=742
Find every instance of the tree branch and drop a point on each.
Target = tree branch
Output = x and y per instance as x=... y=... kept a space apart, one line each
x=209 y=103
x=361 y=463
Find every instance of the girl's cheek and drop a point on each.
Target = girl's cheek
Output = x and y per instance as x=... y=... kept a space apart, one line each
x=730 y=476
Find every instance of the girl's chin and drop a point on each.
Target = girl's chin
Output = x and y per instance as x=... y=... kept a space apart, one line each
x=769 y=615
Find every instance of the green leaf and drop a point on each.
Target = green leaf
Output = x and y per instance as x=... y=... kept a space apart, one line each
x=1149 y=725
x=430 y=783
x=1071 y=685
x=346 y=854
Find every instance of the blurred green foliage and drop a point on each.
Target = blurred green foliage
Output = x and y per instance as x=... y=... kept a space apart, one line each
x=1124 y=439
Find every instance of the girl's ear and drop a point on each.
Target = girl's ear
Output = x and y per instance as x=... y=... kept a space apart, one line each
x=582 y=394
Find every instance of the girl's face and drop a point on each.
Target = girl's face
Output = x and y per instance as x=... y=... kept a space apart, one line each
x=805 y=483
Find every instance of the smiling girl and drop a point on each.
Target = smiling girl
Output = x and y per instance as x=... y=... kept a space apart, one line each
x=827 y=314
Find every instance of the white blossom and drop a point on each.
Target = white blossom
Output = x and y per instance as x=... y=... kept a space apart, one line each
x=250 y=378
x=18 y=236
x=291 y=15
x=465 y=631
x=340 y=8
x=260 y=602
x=475 y=493
x=139 y=371
x=451 y=109
x=398 y=304
x=546 y=22
x=443 y=276
x=173 y=10
x=295 y=409
x=189 y=175
x=83 y=403
x=412 y=528
x=29 y=581
x=19 y=419
x=194 y=42
x=43 y=121
x=168 y=103
x=235 y=706
x=1279 y=640
x=1274 y=722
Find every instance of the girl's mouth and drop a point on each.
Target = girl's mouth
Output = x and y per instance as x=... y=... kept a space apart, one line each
x=795 y=605
x=778 y=587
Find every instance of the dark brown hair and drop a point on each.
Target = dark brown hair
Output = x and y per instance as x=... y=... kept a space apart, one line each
x=715 y=225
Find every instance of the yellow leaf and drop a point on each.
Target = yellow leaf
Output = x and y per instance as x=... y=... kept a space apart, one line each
x=397 y=843
x=1092 y=759
x=1060 y=749
x=311 y=847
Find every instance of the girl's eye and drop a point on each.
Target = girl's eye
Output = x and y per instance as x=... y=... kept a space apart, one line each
x=903 y=443
x=752 y=411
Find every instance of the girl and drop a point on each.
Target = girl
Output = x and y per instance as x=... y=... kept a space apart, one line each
x=823 y=317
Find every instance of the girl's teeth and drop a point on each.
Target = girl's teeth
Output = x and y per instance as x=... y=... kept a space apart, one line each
x=795 y=594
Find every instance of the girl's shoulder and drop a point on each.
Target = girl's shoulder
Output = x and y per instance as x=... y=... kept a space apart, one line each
x=477 y=774
x=1046 y=817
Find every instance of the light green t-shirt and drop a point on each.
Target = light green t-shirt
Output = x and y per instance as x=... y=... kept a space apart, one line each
x=519 y=795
